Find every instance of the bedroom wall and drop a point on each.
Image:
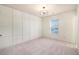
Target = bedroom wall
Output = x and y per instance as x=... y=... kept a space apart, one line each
x=17 y=27
x=77 y=28
x=66 y=26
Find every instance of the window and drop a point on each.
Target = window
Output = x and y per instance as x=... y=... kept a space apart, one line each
x=54 y=25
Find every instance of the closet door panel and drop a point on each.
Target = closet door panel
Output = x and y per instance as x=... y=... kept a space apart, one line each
x=17 y=27
x=5 y=26
x=35 y=25
x=26 y=27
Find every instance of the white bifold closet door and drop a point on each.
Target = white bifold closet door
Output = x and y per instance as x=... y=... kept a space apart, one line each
x=31 y=27
x=35 y=26
x=17 y=27
x=26 y=27
x=5 y=27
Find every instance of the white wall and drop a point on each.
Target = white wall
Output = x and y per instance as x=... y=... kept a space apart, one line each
x=66 y=26
x=17 y=27
x=77 y=28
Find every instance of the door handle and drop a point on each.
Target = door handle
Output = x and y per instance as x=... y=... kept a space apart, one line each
x=0 y=34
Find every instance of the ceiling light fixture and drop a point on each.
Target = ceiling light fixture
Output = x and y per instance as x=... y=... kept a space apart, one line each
x=43 y=12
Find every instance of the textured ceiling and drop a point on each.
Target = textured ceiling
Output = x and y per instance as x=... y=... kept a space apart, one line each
x=36 y=8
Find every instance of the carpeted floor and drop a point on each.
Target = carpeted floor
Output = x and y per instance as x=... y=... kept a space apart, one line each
x=41 y=47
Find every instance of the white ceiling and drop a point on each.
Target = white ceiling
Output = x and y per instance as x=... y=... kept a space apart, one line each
x=36 y=8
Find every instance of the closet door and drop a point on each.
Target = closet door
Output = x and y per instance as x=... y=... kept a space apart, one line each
x=35 y=26
x=5 y=27
x=26 y=27
x=17 y=27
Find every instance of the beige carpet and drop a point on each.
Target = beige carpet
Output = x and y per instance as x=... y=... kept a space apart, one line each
x=41 y=47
